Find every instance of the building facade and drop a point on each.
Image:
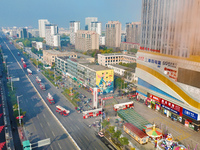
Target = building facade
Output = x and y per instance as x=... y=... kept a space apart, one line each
x=88 y=21
x=129 y=46
x=168 y=66
x=41 y=24
x=133 y=32
x=24 y=33
x=115 y=58
x=96 y=26
x=113 y=34
x=51 y=35
x=74 y=27
x=86 y=40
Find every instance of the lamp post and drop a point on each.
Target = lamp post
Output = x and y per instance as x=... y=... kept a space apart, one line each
x=19 y=109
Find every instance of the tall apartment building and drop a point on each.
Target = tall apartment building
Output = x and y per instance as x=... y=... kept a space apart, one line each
x=34 y=32
x=88 y=21
x=96 y=26
x=168 y=66
x=74 y=27
x=86 y=40
x=51 y=35
x=41 y=24
x=133 y=32
x=24 y=33
x=113 y=34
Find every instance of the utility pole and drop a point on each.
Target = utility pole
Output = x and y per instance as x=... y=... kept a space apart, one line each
x=19 y=109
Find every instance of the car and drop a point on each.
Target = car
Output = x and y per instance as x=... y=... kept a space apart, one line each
x=101 y=134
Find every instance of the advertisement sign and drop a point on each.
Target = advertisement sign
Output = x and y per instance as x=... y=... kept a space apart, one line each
x=190 y=114
x=171 y=106
x=170 y=109
x=155 y=98
x=95 y=98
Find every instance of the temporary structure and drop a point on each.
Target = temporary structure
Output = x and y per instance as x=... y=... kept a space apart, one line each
x=154 y=132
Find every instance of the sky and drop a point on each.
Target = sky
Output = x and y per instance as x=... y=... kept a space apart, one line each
x=22 y=13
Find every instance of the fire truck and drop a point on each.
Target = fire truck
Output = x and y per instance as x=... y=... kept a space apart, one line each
x=29 y=72
x=62 y=110
x=42 y=86
x=92 y=113
x=24 y=65
x=123 y=106
x=22 y=59
x=38 y=80
x=50 y=98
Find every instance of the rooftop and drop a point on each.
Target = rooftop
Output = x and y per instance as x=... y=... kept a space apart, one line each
x=135 y=130
x=55 y=52
x=95 y=67
x=119 y=66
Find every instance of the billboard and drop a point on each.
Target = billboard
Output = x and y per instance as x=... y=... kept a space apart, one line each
x=105 y=81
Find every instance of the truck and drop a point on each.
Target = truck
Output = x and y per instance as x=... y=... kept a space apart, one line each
x=42 y=86
x=123 y=106
x=24 y=65
x=22 y=59
x=50 y=98
x=29 y=72
x=38 y=80
x=18 y=53
x=62 y=110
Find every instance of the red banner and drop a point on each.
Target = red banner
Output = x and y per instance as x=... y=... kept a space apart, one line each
x=155 y=98
x=172 y=106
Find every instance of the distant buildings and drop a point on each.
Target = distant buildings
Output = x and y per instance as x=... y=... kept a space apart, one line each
x=86 y=40
x=113 y=34
x=51 y=35
x=96 y=26
x=38 y=45
x=133 y=32
x=129 y=46
x=88 y=21
x=41 y=24
x=34 y=32
x=74 y=27
x=24 y=33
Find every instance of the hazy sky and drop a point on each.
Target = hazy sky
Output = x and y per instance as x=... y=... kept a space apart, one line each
x=23 y=13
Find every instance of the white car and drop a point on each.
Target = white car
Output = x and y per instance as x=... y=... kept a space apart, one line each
x=101 y=134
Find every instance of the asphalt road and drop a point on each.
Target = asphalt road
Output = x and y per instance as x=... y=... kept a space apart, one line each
x=39 y=123
x=74 y=123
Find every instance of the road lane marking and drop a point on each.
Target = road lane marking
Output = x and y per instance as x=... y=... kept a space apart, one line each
x=41 y=125
x=48 y=123
x=45 y=135
x=86 y=138
x=37 y=117
x=44 y=115
x=53 y=133
x=78 y=127
x=59 y=146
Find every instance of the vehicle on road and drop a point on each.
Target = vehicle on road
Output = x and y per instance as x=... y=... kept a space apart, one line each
x=123 y=106
x=50 y=99
x=18 y=53
x=22 y=59
x=62 y=110
x=38 y=80
x=101 y=134
x=29 y=72
x=24 y=65
x=92 y=113
x=42 y=86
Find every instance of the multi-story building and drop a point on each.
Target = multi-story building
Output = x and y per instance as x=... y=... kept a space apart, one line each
x=115 y=58
x=168 y=66
x=74 y=27
x=34 y=32
x=24 y=34
x=113 y=34
x=96 y=26
x=88 y=21
x=102 y=40
x=41 y=24
x=50 y=55
x=87 y=74
x=38 y=45
x=129 y=46
x=86 y=40
x=133 y=32
x=51 y=35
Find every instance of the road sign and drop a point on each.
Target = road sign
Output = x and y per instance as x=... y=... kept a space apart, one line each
x=15 y=79
x=44 y=142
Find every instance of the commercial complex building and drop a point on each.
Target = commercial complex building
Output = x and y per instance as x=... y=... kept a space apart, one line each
x=115 y=58
x=50 y=55
x=88 y=21
x=113 y=34
x=51 y=35
x=87 y=74
x=41 y=24
x=86 y=40
x=168 y=66
x=133 y=32
x=74 y=27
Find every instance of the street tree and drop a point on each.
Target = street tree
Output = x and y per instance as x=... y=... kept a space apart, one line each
x=124 y=141
x=117 y=134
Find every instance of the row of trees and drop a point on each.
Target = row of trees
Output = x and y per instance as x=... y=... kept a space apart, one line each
x=35 y=51
x=27 y=42
x=129 y=65
x=119 y=83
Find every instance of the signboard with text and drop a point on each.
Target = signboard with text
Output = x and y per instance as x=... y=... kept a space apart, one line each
x=190 y=114
x=155 y=98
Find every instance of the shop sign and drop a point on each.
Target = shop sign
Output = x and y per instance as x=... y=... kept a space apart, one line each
x=172 y=106
x=170 y=109
x=155 y=98
x=190 y=114
x=105 y=98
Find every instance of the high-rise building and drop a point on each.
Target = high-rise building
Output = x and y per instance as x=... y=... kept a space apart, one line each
x=168 y=66
x=88 y=21
x=133 y=32
x=86 y=40
x=24 y=34
x=113 y=34
x=96 y=26
x=74 y=27
x=51 y=35
x=41 y=24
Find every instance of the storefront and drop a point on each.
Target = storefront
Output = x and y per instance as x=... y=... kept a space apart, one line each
x=155 y=102
x=141 y=97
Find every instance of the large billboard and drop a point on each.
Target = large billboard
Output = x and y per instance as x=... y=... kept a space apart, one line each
x=105 y=81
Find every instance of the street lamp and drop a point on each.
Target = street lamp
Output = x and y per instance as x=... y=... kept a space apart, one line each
x=19 y=109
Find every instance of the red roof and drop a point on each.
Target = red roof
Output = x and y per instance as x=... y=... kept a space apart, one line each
x=135 y=130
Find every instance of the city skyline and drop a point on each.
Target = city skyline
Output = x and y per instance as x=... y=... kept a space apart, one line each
x=27 y=13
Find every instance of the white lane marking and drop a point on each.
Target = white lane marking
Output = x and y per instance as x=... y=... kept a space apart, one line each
x=44 y=115
x=41 y=125
x=53 y=133
x=37 y=117
x=78 y=127
x=59 y=146
x=45 y=135
x=48 y=123
x=86 y=138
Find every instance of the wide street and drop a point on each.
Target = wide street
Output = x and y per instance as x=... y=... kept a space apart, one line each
x=39 y=122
